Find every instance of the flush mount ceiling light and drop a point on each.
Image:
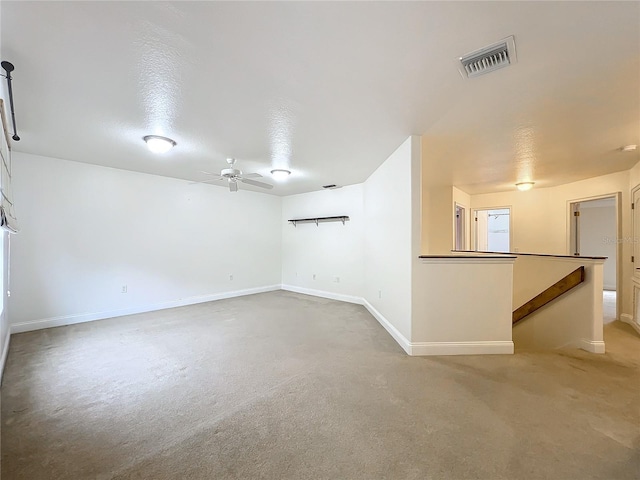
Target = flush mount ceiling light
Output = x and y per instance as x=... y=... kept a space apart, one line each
x=524 y=186
x=629 y=148
x=159 y=144
x=280 y=173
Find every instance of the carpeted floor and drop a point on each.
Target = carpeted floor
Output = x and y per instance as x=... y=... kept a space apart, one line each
x=286 y=386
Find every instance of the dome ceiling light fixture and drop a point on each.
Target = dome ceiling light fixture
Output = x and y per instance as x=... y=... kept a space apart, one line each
x=524 y=186
x=158 y=144
x=280 y=173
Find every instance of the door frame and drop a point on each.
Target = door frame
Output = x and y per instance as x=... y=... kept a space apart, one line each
x=474 y=232
x=636 y=272
x=465 y=226
x=617 y=196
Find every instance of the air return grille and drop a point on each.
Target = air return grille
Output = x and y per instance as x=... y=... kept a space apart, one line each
x=490 y=58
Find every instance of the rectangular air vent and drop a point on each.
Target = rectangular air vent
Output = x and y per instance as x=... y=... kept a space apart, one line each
x=490 y=58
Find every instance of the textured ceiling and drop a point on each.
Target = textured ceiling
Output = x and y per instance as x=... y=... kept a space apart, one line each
x=328 y=90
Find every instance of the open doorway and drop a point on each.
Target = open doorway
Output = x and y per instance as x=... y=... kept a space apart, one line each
x=594 y=231
x=460 y=230
x=492 y=232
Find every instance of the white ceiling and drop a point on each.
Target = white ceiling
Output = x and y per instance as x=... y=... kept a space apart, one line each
x=328 y=90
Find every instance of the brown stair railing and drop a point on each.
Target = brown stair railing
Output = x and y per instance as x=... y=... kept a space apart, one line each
x=561 y=287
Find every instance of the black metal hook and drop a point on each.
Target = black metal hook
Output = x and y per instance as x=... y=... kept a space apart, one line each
x=8 y=66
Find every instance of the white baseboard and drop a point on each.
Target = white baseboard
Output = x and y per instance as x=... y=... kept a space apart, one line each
x=90 y=317
x=393 y=331
x=324 y=294
x=626 y=318
x=593 y=346
x=462 y=348
x=5 y=352
x=414 y=349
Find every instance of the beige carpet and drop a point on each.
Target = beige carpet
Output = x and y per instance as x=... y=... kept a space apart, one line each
x=286 y=386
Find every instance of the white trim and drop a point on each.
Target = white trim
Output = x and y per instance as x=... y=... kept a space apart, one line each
x=421 y=348
x=593 y=346
x=5 y=352
x=462 y=348
x=322 y=293
x=485 y=259
x=626 y=318
x=393 y=331
x=90 y=317
x=474 y=224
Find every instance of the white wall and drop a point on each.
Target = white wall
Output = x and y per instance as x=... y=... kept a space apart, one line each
x=572 y=320
x=539 y=219
x=331 y=251
x=462 y=306
x=4 y=317
x=598 y=238
x=374 y=253
x=438 y=213
x=392 y=234
x=89 y=230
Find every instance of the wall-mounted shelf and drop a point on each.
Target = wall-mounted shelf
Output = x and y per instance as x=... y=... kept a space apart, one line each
x=317 y=220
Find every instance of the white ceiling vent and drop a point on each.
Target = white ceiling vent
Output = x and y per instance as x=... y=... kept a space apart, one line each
x=490 y=58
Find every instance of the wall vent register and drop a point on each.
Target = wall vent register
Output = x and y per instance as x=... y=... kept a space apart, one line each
x=492 y=57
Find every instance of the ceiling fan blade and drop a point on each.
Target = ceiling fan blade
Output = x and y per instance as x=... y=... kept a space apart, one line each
x=251 y=175
x=207 y=181
x=233 y=186
x=209 y=173
x=255 y=183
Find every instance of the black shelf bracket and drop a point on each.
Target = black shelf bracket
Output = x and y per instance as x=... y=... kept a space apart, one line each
x=317 y=220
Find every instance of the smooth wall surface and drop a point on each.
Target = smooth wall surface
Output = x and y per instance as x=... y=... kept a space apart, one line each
x=539 y=218
x=328 y=257
x=463 y=303
x=391 y=240
x=89 y=231
x=574 y=319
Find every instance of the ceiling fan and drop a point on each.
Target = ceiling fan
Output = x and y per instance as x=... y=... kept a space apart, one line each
x=233 y=175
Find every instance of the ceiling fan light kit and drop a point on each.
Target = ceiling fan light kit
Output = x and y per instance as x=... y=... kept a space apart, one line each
x=280 y=173
x=524 y=186
x=158 y=144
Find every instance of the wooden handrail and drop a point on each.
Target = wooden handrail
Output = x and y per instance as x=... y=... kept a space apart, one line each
x=561 y=287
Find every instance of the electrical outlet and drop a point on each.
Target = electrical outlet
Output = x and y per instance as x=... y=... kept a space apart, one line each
x=124 y=289
x=231 y=276
x=314 y=276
